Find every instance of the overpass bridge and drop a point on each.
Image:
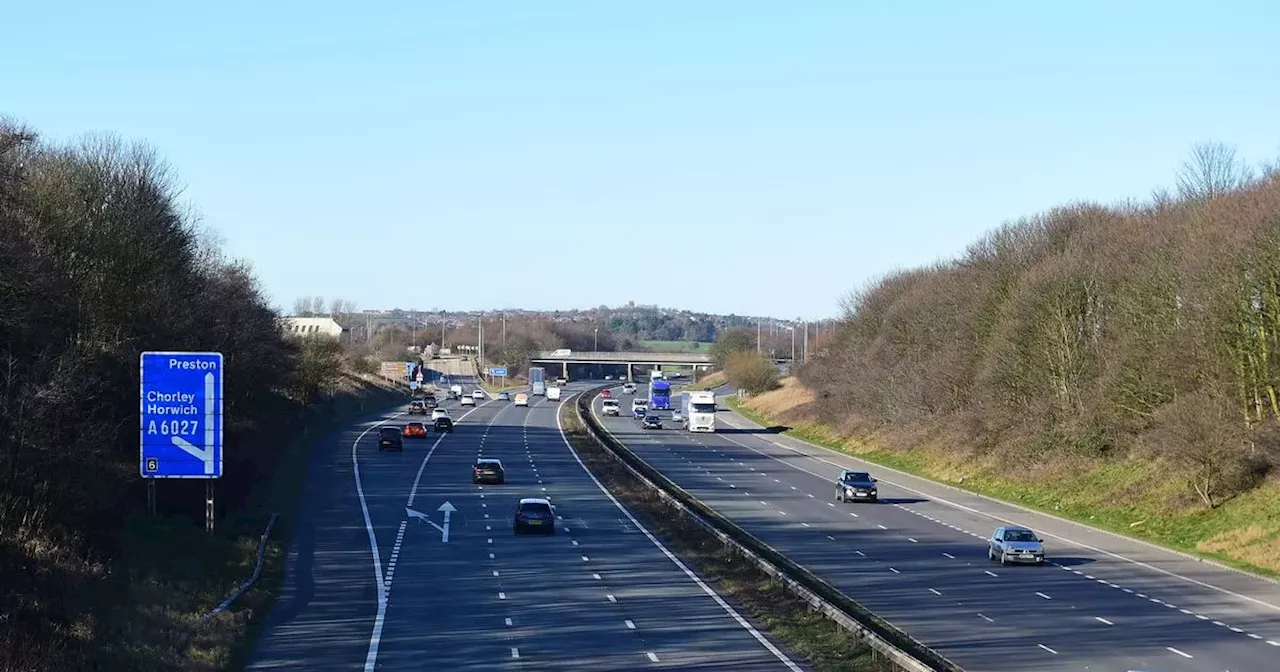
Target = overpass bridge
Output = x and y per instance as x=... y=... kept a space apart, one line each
x=616 y=362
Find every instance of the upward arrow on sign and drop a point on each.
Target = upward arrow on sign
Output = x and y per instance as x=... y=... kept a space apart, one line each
x=210 y=412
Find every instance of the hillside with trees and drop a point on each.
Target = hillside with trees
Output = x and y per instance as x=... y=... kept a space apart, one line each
x=1115 y=363
x=100 y=261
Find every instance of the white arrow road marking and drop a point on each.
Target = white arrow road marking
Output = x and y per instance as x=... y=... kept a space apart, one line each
x=447 y=508
x=210 y=412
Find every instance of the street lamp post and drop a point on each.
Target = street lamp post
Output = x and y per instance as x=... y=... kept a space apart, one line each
x=596 y=346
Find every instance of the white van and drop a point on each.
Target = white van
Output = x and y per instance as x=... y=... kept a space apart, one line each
x=553 y=393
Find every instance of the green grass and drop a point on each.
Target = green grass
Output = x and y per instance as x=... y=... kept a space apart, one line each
x=1130 y=497
x=824 y=645
x=676 y=346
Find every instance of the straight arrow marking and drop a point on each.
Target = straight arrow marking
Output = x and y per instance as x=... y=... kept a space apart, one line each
x=206 y=454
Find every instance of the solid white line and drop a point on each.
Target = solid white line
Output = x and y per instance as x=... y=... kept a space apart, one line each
x=375 y=637
x=1055 y=652
x=670 y=556
x=984 y=514
x=1102 y=620
x=1180 y=653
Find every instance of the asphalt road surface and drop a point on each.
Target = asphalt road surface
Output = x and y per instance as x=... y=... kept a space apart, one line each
x=918 y=559
x=601 y=594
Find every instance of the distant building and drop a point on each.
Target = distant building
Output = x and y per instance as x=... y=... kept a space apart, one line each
x=312 y=326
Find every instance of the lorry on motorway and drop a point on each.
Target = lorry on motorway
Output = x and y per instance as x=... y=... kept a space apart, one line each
x=538 y=380
x=699 y=410
x=660 y=395
x=455 y=391
x=553 y=393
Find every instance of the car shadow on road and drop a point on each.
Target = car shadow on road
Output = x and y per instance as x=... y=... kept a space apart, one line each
x=901 y=500
x=775 y=429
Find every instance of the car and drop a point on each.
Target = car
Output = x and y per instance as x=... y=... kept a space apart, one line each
x=467 y=401
x=1011 y=543
x=609 y=407
x=504 y=396
x=418 y=407
x=444 y=424
x=522 y=399
x=488 y=470
x=429 y=401
x=562 y=381
x=677 y=417
x=534 y=513
x=652 y=421
x=608 y=377
x=437 y=413
x=415 y=430
x=389 y=439
x=478 y=394
x=606 y=394
x=855 y=485
x=629 y=388
x=639 y=407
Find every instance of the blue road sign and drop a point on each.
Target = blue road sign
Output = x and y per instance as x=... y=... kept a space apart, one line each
x=413 y=384
x=181 y=415
x=497 y=372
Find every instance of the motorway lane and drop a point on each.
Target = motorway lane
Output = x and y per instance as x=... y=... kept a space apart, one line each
x=909 y=562
x=325 y=611
x=600 y=595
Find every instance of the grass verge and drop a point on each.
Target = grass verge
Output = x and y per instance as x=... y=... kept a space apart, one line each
x=807 y=634
x=709 y=382
x=1129 y=497
x=176 y=572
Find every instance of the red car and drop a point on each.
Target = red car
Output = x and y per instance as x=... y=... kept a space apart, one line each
x=415 y=430
x=606 y=394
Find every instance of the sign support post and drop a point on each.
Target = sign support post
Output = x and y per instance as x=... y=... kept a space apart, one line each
x=208 y=505
x=151 y=497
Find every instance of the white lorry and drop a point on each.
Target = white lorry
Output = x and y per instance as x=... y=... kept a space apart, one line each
x=553 y=393
x=699 y=410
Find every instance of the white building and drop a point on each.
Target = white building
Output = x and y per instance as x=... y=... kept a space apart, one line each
x=311 y=326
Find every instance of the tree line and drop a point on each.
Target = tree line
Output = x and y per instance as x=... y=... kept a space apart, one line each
x=1090 y=331
x=100 y=261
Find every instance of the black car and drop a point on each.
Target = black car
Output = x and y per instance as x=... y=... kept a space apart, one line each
x=488 y=470
x=652 y=421
x=534 y=514
x=856 y=485
x=417 y=407
x=389 y=439
x=444 y=424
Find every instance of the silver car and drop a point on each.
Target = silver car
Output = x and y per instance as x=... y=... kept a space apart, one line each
x=1015 y=544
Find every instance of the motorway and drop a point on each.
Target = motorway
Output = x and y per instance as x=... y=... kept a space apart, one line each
x=918 y=559
x=602 y=594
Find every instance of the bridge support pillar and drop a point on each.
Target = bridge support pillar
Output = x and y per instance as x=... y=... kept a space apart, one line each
x=630 y=375
x=565 y=371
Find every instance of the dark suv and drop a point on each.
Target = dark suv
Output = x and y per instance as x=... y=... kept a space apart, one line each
x=854 y=486
x=488 y=470
x=534 y=513
x=389 y=439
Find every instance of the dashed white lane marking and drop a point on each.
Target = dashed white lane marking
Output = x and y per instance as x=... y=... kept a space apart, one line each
x=1044 y=596
x=949 y=555
x=630 y=625
x=1054 y=652
x=508 y=621
x=596 y=577
x=502 y=596
x=1102 y=620
x=894 y=571
x=612 y=598
x=881 y=526
x=990 y=573
x=986 y=618
x=861 y=553
x=652 y=657
x=515 y=653
x=585 y=559
x=831 y=537
x=912 y=540
x=1180 y=653
x=495 y=572
x=575 y=542
x=934 y=591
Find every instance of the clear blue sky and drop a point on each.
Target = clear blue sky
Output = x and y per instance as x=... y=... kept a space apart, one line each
x=789 y=150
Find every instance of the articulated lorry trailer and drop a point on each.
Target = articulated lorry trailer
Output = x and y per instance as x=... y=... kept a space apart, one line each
x=699 y=410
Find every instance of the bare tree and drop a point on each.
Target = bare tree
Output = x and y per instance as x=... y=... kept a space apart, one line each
x=1213 y=170
x=317 y=305
x=302 y=306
